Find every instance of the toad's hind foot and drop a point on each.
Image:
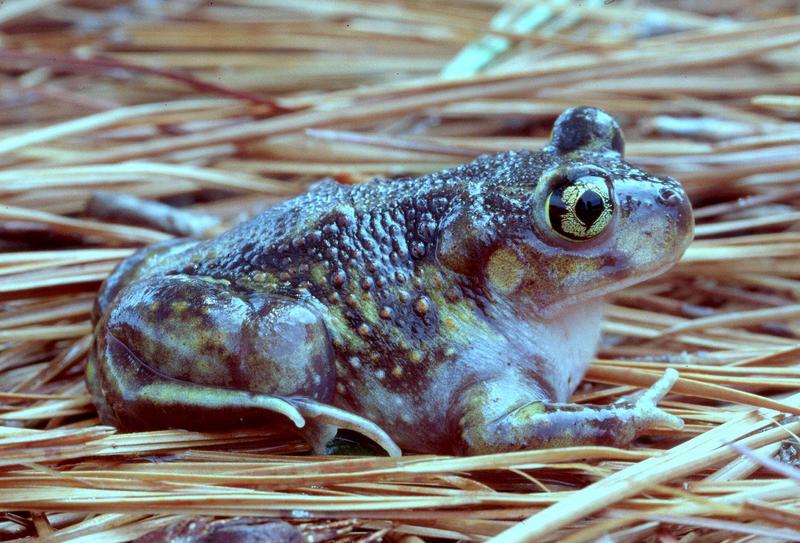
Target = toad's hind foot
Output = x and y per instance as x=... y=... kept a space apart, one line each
x=140 y=398
x=324 y=419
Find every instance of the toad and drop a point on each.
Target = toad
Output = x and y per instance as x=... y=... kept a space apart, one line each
x=453 y=313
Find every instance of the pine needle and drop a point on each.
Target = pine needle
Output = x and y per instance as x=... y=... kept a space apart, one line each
x=227 y=108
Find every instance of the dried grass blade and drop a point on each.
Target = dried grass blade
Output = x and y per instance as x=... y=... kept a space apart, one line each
x=690 y=387
x=738 y=318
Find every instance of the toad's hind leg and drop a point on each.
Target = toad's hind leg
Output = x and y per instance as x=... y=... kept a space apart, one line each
x=192 y=352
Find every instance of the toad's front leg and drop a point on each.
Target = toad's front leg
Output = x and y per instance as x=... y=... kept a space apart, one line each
x=491 y=420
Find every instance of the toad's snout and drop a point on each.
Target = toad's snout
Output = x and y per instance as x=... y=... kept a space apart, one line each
x=676 y=203
x=656 y=223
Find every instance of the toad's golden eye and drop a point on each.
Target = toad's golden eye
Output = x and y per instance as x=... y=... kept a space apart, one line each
x=580 y=210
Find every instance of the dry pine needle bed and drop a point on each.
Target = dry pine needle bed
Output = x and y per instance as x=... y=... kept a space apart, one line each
x=226 y=108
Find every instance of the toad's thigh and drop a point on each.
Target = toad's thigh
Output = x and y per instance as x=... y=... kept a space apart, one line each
x=151 y=260
x=200 y=330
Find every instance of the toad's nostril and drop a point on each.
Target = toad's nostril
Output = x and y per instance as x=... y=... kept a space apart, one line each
x=669 y=197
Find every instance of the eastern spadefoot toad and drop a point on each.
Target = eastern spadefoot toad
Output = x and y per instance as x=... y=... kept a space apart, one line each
x=455 y=312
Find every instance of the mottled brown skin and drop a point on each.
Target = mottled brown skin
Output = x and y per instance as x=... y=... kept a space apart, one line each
x=445 y=309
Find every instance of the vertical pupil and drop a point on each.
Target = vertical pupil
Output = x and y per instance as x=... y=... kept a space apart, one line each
x=589 y=207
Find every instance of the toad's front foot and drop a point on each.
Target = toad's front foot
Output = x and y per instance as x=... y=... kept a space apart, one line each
x=489 y=423
x=644 y=404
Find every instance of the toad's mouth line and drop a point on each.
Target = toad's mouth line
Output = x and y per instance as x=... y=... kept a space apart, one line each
x=581 y=297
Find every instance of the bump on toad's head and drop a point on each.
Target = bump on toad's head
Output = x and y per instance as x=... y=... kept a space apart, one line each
x=587 y=129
